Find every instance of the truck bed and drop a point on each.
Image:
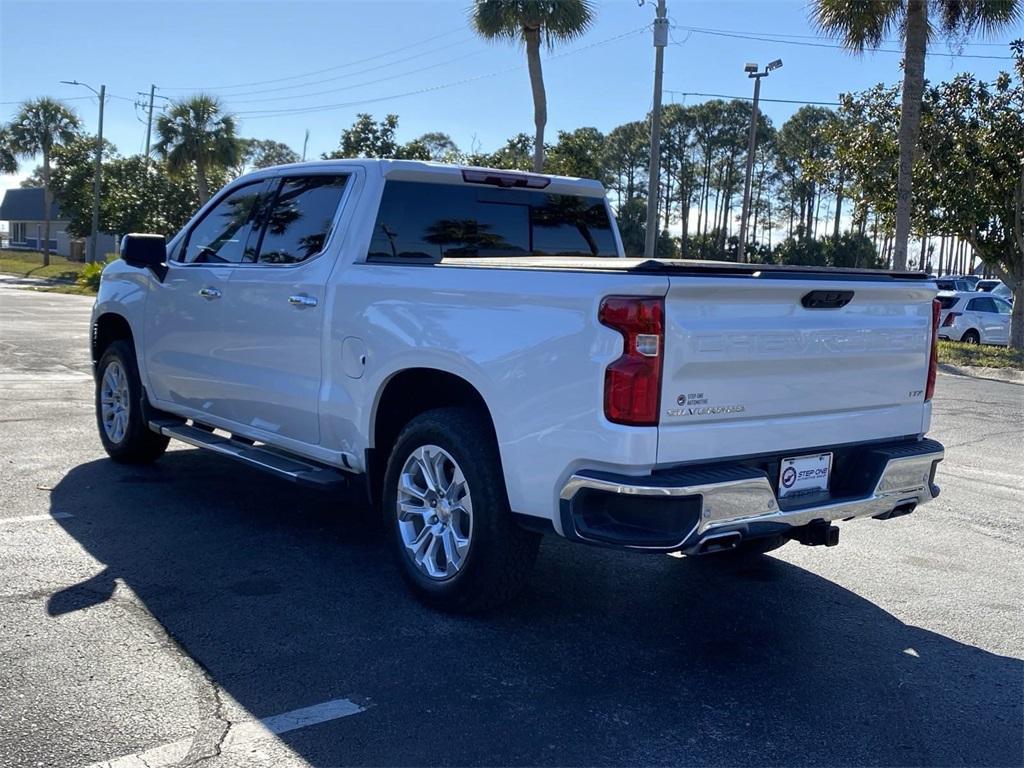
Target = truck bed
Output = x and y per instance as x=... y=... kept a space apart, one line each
x=682 y=267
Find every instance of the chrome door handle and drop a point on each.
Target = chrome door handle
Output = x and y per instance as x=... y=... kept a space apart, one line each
x=210 y=293
x=301 y=300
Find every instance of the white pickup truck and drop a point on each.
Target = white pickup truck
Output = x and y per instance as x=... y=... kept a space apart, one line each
x=471 y=347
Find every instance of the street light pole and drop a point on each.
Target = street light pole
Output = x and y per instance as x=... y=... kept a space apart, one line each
x=654 y=172
x=97 y=170
x=751 y=70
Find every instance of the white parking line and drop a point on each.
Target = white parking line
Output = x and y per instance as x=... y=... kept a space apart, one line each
x=36 y=518
x=240 y=735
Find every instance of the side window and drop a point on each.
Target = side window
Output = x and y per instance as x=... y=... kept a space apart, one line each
x=1003 y=307
x=222 y=235
x=300 y=220
x=982 y=305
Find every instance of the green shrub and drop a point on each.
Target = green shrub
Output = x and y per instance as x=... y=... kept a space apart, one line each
x=89 y=277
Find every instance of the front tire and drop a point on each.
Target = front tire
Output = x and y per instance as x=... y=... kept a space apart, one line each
x=453 y=535
x=119 y=416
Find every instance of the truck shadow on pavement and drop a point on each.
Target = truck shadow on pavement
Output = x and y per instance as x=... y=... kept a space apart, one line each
x=287 y=600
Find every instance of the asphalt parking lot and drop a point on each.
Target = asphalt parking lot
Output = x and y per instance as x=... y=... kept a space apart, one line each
x=198 y=612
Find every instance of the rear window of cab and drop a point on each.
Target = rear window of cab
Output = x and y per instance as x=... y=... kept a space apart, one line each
x=425 y=222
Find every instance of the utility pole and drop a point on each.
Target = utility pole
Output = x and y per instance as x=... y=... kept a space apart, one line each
x=751 y=70
x=305 y=143
x=96 y=182
x=654 y=172
x=97 y=169
x=149 y=121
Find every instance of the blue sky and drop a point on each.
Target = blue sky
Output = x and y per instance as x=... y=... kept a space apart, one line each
x=421 y=61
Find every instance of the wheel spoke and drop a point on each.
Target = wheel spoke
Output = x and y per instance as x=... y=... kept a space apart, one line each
x=429 y=558
x=417 y=544
x=426 y=466
x=407 y=486
x=453 y=554
x=410 y=511
x=460 y=542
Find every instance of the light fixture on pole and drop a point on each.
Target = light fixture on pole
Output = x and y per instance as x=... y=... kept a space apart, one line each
x=97 y=169
x=752 y=72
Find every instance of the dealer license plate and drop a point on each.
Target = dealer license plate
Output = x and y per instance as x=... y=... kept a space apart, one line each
x=804 y=474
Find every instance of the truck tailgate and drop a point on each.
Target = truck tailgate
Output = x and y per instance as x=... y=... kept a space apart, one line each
x=752 y=366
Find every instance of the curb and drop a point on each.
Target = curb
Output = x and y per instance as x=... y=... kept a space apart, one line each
x=10 y=278
x=1004 y=375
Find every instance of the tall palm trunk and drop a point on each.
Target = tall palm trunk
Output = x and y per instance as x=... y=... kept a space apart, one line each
x=47 y=205
x=910 y=121
x=540 y=100
x=202 y=184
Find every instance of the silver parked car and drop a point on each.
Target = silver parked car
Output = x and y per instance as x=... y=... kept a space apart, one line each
x=996 y=288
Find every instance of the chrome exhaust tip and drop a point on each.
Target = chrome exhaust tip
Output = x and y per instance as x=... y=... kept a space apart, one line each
x=719 y=542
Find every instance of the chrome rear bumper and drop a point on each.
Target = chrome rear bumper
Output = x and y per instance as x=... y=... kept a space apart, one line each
x=723 y=499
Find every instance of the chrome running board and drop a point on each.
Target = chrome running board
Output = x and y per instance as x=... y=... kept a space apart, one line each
x=287 y=466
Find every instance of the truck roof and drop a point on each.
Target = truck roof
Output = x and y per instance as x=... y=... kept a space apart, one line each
x=444 y=173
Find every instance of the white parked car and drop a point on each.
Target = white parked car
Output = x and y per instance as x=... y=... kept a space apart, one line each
x=974 y=317
x=471 y=347
x=959 y=284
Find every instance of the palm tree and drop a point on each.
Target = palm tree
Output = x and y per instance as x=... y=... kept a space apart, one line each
x=196 y=134
x=863 y=24
x=533 y=22
x=40 y=125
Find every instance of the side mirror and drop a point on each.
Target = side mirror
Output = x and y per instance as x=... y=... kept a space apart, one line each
x=145 y=251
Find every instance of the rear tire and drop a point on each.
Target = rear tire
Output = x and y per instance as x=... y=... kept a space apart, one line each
x=119 y=413
x=447 y=513
x=971 y=337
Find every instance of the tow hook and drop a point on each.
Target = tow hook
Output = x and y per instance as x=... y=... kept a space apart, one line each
x=816 y=533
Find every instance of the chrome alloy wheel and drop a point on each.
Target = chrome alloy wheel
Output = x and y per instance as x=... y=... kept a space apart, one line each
x=435 y=512
x=115 y=402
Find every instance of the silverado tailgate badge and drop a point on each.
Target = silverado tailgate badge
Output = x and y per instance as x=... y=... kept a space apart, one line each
x=695 y=404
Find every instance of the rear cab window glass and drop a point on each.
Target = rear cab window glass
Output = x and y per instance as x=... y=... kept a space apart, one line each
x=223 y=235
x=296 y=225
x=428 y=222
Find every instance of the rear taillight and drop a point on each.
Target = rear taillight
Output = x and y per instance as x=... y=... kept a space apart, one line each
x=948 y=322
x=933 y=355
x=632 y=384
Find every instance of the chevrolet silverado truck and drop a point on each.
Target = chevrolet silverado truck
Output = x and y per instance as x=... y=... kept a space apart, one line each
x=472 y=348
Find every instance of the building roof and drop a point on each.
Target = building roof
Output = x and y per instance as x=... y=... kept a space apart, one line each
x=26 y=204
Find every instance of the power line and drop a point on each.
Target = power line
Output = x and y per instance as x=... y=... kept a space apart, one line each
x=69 y=98
x=262 y=113
x=822 y=37
x=356 y=72
x=748 y=98
x=807 y=43
x=314 y=72
x=405 y=73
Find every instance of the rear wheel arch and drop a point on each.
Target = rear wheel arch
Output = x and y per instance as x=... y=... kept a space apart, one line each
x=404 y=396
